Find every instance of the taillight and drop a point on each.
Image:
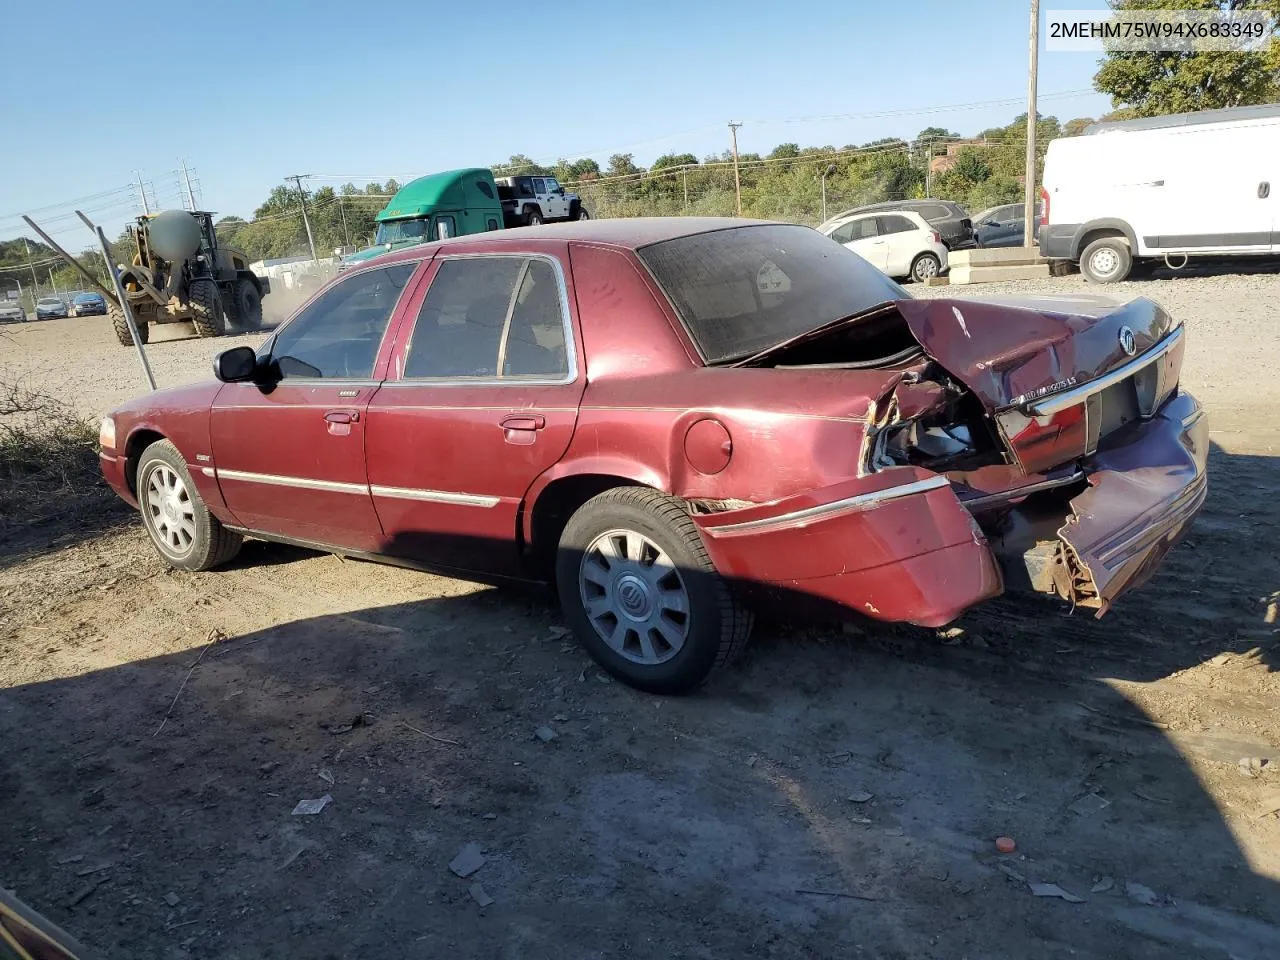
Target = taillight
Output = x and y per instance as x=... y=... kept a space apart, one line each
x=1044 y=207
x=1041 y=442
x=937 y=237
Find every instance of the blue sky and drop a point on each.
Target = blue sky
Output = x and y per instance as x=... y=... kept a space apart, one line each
x=398 y=88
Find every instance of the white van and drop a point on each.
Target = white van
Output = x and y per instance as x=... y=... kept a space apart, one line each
x=1163 y=189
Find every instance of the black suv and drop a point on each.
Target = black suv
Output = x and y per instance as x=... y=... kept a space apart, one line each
x=948 y=218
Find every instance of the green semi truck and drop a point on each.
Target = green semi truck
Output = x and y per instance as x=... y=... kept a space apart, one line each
x=466 y=201
x=430 y=208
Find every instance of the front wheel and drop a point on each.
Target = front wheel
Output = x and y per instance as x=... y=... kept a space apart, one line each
x=121 y=327
x=206 y=309
x=638 y=588
x=183 y=531
x=245 y=310
x=925 y=266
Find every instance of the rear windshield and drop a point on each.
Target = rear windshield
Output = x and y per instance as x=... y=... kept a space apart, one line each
x=743 y=290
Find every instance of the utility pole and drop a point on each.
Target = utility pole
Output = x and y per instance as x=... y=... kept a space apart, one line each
x=737 y=181
x=1029 y=193
x=143 y=192
x=53 y=283
x=306 y=222
x=342 y=208
x=35 y=284
x=684 y=175
x=191 y=197
x=830 y=169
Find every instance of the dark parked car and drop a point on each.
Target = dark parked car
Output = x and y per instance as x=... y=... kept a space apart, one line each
x=89 y=304
x=50 y=308
x=948 y=218
x=676 y=419
x=1003 y=226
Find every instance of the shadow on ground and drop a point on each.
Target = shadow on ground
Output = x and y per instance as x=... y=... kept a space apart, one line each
x=835 y=794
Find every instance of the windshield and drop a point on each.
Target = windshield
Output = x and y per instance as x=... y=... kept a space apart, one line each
x=88 y=298
x=743 y=290
x=397 y=231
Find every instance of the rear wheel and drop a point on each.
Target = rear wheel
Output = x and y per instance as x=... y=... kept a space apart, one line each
x=1106 y=260
x=244 y=306
x=925 y=266
x=534 y=217
x=640 y=592
x=183 y=531
x=121 y=327
x=206 y=309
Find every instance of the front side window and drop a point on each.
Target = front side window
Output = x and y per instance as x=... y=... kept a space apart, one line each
x=552 y=185
x=742 y=290
x=490 y=318
x=338 y=334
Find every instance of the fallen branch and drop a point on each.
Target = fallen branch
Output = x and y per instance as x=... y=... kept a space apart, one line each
x=837 y=893
x=216 y=636
x=430 y=736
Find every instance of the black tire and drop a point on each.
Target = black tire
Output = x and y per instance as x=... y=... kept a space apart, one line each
x=208 y=543
x=533 y=217
x=121 y=327
x=716 y=626
x=206 y=309
x=243 y=308
x=1106 y=260
x=582 y=214
x=924 y=266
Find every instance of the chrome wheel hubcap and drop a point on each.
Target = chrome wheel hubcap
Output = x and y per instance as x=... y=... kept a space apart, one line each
x=1104 y=262
x=634 y=597
x=170 y=514
x=927 y=268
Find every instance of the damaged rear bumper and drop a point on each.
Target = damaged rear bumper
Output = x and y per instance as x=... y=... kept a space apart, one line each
x=899 y=545
x=896 y=546
x=1144 y=489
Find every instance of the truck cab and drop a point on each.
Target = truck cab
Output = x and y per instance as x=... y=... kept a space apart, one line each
x=435 y=207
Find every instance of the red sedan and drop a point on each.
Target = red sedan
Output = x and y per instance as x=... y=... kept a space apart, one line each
x=677 y=420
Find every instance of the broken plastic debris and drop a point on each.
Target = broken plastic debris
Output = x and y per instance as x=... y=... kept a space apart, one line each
x=545 y=734
x=480 y=895
x=1053 y=890
x=468 y=860
x=1103 y=885
x=307 y=808
x=1089 y=804
x=860 y=796
x=1006 y=844
x=1141 y=894
x=325 y=775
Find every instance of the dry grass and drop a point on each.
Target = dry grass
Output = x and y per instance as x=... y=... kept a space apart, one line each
x=48 y=460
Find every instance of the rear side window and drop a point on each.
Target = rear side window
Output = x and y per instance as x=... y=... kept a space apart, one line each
x=337 y=336
x=896 y=223
x=490 y=317
x=934 y=211
x=745 y=289
x=855 y=230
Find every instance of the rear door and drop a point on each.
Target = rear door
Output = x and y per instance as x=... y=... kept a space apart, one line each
x=481 y=399
x=903 y=239
x=289 y=455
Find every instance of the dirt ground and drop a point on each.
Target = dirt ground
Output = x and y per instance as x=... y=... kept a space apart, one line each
x=837 y=793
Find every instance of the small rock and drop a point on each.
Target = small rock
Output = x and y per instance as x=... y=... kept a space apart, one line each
x=489 y=816
x=1140 y=894
x=752 y=760
x=1103 y=885
x=468 y=861
x=66 y=860
x=1251 y=766
x=172 y=899
x=560 y=718
x=545 y=734
x=860 y=796
x=978 y=642
x=93 y=797
x=559 y=633
x=480 y=895
x=266 y=769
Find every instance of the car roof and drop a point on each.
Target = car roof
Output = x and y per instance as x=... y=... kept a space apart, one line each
x=630 y=233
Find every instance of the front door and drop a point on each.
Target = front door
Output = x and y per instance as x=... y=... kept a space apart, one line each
x=862 y=236
x=289 y=453
x=481 y=399
x=554 y=205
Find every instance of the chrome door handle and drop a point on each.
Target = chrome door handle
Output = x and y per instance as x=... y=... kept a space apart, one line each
x=343 y=416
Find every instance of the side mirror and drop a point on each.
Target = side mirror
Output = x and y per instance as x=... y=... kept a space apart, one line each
x=235 y=365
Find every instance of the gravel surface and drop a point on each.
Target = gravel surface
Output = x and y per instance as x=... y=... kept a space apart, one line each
x=838 y=793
